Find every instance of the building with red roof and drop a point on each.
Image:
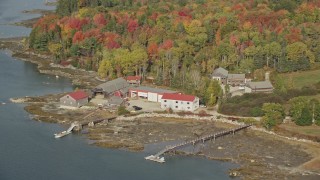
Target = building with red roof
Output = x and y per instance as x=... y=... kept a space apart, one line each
x=179 y=102
x=134 y=79
x=74 y=99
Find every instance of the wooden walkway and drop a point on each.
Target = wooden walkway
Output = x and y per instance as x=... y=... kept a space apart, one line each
x=78 y=126
x=200 y=139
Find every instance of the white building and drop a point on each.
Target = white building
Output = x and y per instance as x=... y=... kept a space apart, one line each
x=179 y=102
x=150 y=93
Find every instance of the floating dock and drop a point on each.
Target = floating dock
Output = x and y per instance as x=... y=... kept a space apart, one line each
x=155 y=158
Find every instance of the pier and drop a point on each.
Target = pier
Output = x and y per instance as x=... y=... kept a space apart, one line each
x=159 y=159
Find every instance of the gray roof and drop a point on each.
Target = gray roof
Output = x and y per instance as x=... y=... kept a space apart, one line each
x=151 y=89
x=115 y=85
x=220 y=72
x=115 y=100
x=236 y=76
x=260 y=85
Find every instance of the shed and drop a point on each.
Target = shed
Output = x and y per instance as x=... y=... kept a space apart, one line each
x=74 y=99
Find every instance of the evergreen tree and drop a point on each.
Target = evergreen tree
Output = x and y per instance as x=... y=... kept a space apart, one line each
x=305 y=118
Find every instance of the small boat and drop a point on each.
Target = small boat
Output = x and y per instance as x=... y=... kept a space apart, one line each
x=155 y=158
x=63 y=133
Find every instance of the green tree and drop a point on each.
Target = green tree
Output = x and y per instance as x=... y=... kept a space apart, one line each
x=297 y=104
x=214 y=92
x=305 y=118
x=273 y=114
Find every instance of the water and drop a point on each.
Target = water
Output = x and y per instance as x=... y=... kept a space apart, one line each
x=28 y=150
x=11 y=12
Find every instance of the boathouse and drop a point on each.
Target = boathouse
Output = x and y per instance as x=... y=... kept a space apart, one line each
x=74 y=99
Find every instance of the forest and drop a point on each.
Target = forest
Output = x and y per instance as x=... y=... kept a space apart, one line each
x=180 y=42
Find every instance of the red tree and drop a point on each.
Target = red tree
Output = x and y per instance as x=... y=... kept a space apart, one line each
x=99 y=20
x=132 y=25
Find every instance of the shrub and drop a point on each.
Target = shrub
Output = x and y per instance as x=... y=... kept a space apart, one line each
x=122 y=111
x=256 y=112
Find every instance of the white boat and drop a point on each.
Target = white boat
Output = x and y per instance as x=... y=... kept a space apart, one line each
x=63 y=133
x=155 y=158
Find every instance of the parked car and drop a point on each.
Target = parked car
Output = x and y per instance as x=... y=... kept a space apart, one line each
x=137 y=108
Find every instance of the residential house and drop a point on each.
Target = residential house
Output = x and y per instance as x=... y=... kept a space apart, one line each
x=117 y=87
x=236 y=79
x=149 y=93
x=221 y=75
x=260 y=86
x=74 y=99
x=134 y=80
x=179 y=102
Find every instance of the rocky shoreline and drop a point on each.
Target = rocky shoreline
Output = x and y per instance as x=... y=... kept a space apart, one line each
x=259 y=154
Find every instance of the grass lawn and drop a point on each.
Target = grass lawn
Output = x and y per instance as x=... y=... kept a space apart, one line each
x=305 y=130
x=303 y=78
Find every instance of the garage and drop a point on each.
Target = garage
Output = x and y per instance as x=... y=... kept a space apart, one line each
x=152 y=97
x=150 y=93
x=143 y=94
x=160 y=97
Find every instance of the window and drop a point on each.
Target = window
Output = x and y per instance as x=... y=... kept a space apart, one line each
x=188 y=103
x=165 y=101
x=165 y=105
x=188 y=107
x=176 y=101
x=176 y=107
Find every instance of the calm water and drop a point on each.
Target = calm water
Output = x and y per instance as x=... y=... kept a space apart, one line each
x=28 y=150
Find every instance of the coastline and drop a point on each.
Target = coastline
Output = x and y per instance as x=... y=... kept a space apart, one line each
x=134 y=134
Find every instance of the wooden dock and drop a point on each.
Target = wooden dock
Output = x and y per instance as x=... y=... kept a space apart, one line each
x=78 y=126
x=157 y=157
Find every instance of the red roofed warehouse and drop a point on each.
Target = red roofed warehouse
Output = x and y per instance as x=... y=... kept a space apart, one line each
x=179 y=102
x=74 y=99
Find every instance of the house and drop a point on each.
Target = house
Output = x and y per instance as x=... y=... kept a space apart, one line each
x=236 y=79
x=117 y=87
x=221 y=75
x=74 y=99
x=149 y=93
x=178 y=101
x=260 y=86
x=134 y=80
